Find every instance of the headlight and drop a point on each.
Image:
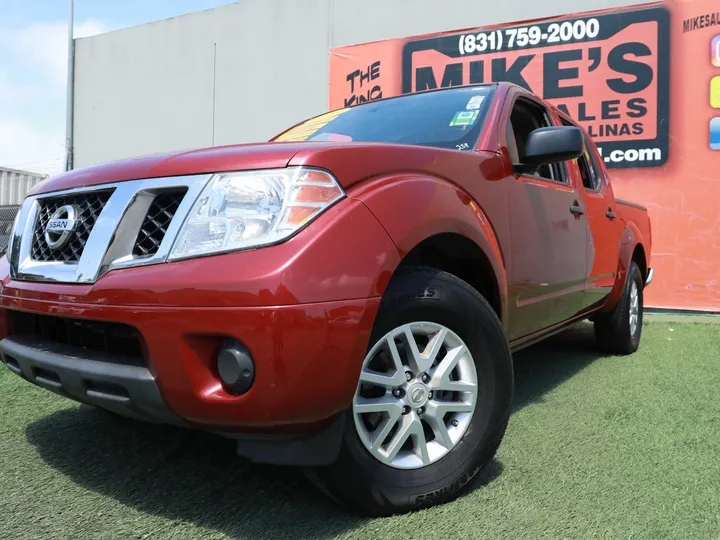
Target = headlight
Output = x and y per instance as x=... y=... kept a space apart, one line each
x=254 y=208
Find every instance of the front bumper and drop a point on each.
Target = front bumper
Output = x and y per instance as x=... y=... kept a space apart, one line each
x=303 y=308
x=94 y=379
x=307 y=360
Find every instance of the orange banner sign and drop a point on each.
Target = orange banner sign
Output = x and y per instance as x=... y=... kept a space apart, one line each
x=611 y=71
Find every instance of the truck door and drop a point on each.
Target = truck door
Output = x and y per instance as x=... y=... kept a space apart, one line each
x=605 y=230
x=548 y=233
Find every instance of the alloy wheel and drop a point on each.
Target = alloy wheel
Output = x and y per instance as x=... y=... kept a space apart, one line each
x=634 y=308
x=416 y=395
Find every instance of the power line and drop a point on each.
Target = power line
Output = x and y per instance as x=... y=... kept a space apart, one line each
x=48 y=161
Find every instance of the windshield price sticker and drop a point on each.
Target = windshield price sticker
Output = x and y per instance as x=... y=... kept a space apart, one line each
x=475 y=102
x=464 y=118
x=303 y=131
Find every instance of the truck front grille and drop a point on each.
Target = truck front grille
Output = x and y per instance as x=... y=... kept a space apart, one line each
x=156 y=223
x=98 y=229
x=121 y=342
x=89 y=205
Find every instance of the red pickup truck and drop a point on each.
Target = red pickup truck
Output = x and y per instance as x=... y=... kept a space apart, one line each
x=344 y=298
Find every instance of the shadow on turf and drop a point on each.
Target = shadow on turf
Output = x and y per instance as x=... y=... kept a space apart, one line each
x=542 y=367
x=196 y=477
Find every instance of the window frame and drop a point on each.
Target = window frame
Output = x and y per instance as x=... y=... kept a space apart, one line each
x=561 y=165
x=598 y=170
x=592 y=163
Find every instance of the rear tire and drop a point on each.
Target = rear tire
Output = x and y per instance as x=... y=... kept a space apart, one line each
x=421 y=300
x=618 y=331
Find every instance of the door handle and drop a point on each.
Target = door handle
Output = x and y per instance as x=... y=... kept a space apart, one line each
x=610 y=214
x=576 y=209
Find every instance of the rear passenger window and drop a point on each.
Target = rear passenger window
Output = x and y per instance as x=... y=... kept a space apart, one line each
x=589 y=170
x=595 y=168
x=526 y=117
x=586 y=171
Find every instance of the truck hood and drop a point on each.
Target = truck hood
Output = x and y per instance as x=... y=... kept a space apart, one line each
x=209 y=160
x=349 y=162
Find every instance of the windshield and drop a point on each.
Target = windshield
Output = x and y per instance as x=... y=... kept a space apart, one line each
x=450 y=118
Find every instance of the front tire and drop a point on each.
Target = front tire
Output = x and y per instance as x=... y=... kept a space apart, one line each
x=433 y=399
x=618 y=331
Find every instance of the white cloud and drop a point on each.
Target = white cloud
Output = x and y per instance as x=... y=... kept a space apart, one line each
x=24 y=147
x=32 y=85
x=44 y=44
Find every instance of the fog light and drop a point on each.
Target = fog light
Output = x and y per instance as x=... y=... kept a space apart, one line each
x=235 y=367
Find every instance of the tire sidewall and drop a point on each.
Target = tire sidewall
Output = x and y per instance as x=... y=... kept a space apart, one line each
x=458 y=307
x=636 y=277
x=612 y=329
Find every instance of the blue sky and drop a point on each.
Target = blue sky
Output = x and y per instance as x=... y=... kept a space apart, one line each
x=33 y=63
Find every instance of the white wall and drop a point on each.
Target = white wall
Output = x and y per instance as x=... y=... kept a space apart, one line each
x=245 y=71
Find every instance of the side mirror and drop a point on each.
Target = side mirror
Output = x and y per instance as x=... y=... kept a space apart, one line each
x=551 y=145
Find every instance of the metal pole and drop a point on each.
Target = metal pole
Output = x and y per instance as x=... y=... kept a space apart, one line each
x=70 y=94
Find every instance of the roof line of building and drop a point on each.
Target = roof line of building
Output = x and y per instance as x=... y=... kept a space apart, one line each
x=19 y=171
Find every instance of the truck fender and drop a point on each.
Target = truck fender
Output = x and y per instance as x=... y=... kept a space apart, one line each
x=630 y=239
x=432 y=207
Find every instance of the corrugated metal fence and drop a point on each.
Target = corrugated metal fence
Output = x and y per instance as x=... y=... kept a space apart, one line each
x=14 y=187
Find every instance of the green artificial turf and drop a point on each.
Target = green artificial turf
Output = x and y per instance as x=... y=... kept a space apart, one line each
x=599 y=447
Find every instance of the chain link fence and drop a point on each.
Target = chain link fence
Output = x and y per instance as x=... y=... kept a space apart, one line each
x=7 y=217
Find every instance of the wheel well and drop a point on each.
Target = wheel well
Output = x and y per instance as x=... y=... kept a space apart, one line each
x=638 y=257
x=461 y=257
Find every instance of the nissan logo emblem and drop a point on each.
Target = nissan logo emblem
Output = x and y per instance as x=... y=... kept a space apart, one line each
x=62 y=224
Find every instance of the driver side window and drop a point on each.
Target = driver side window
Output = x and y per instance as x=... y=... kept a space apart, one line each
x=525 y=118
